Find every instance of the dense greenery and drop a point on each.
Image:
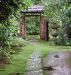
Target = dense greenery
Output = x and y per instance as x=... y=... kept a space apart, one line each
x=59 y=11
x=33 y=25
x=56 y=11
x=10 y=19
x=7 y=9
x=9 y=27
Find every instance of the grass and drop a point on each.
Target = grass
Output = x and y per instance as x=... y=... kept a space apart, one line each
x=18 y=61
x=48 y=46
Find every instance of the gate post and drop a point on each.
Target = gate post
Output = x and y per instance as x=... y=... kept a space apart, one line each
x=43 y=28
x=23 y=27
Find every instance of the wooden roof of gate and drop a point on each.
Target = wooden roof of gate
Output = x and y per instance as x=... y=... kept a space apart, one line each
x=35 y=10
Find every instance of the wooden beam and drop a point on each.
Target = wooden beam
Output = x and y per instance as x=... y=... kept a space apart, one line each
x=23 y=27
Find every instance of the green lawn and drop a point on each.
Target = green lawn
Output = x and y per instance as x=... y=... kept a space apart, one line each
x=46 y=47
x=18 y=61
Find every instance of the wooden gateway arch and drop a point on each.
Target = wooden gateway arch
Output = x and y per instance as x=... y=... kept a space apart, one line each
x=36 y=10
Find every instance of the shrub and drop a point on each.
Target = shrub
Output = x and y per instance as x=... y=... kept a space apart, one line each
x=4 y=57
x=16 y=42
x=63 y=39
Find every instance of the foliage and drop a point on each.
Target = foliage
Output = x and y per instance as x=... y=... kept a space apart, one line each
x=7 y=7
x=3 y=35
x=33 y=25
x=16 y=42
x=4 y=57
x=62 y=39
x=10 y=18
x=36 y=1
x=66 y=22
x=9 y=24
x=59 y=11
x=26 y=3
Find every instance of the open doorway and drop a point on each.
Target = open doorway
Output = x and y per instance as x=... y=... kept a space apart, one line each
x=33 y=27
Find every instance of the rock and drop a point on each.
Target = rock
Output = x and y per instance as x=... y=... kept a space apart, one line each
x=56 y=56
x=57 y=63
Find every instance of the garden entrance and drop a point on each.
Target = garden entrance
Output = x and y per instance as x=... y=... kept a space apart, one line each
x=36 y=10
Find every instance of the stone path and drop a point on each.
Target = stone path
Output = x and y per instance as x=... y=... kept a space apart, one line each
x=57 y=63
x=34 y=64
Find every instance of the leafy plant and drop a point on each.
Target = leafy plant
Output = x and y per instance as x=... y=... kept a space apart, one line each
x=33 y=25
x=4 y=57
x=16 y=42
x=59 y=10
